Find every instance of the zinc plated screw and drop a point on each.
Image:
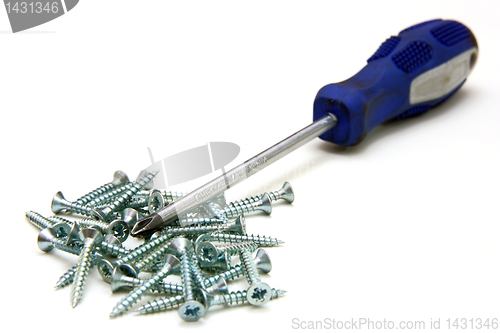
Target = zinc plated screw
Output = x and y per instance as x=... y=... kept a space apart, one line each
x=155 y=201
x=119 y=178
x=284 y=193
x=109 y=196
x=263 y=241
x=199 y=221
x=120 y=202
x=124 y=277
x=106 y=267
x=240 y=207
x=171 y=266
x=207 y=252
x=90 y=238
x=191 y=309
x=49 y=238
x=233 y=298
x=117 y=228
x=38 y=220
x=259 y=292
x=238 y=226
x=59 y=203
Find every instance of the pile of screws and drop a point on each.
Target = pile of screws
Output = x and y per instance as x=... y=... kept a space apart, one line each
x=200 y=248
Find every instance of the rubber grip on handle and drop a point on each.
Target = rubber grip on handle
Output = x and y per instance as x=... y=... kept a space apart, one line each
x=409 y=74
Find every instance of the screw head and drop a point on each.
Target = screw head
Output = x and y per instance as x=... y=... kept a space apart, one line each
x=130 y=216
x=201 y=239
x=105 y=268
x=286 y=192
x=58 y=203
x=219 y=287
x=119 y=229
x=62 y=230
x=191 y=310
x=90 y=234
x=44 y=239
x=119 y=273
x=259 y=293
x=119 y=178
x=262 y=261
x=180 y=245
x=172 y=264
x=207 y=253
x=156 y=201
x=266 y=204
x=240 y=226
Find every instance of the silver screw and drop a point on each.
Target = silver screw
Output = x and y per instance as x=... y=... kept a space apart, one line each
x=284 y=193
x=90 y=238
x=240 y=207
x=237 y=226
x=259 y=292
x=191 y=309
x=199 y=221
x=207 y=252
x=59 y=203
x=119 y=178
x=263 y=241
x=171 y=266
x=117 y=228
x=120 y=202
x=233 y=298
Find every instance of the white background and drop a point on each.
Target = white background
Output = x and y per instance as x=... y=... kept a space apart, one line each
x=404 y=226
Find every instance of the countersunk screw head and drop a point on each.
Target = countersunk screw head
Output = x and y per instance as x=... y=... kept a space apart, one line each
x=207 y=253
x=240 y=225
x=105 y=268
x=45 y=237
x=266 y=204
x=194 y=310
x=180 y=245
x=90 y=234
x=118 y=277
x=287 y=192
x=219 y=287
x=263 y=261
x=119 y=229
x=259 y=293
x=58 y=203
x=130 y=216
x=120 y=178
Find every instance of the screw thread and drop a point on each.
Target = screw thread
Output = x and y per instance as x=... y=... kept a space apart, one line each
x=187 y=276
x=136 y=294
x=38 y=220
x=251 y=271
x=240 y=297
x=237 y=208
x=108 y=196
x=231 y=274
x=120 y=201
x=199 y=221
x=167 y=195
x=81 y=272
x=141 y=250
x=77 y=208
x=61 y=245
x=161 y=287
x=95 y=193
x=152 y=259
x=234 y=249
x=197 y=273
x=217 y=212
x=114 y=250
x=198 y=229
x=89 y=223
x=161 y=304
x=257 y=239
x=67 y=278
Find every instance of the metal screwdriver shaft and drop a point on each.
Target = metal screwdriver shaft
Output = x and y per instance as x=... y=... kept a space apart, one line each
x=169 y=214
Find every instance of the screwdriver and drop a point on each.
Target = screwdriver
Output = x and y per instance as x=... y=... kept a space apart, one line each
x=408 y=75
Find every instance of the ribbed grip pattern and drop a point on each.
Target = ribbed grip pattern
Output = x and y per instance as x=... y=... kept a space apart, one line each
x=451 y=33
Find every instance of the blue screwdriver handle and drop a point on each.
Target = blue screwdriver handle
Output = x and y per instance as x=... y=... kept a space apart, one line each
x=408 y=75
